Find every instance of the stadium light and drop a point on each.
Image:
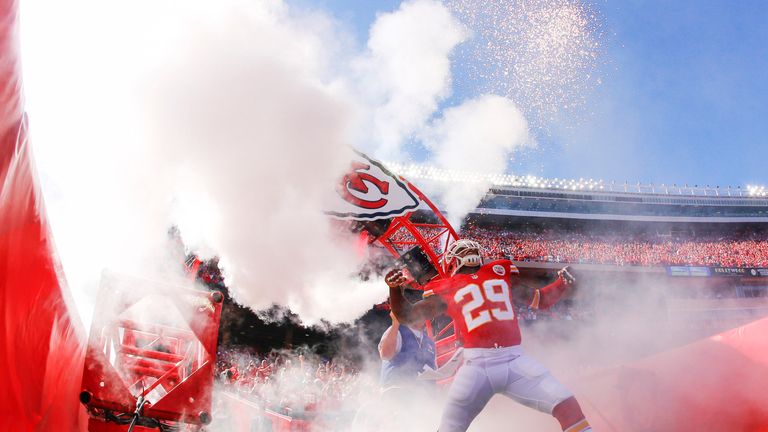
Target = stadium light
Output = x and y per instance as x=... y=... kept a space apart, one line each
x=416 y=171
x=757 y=191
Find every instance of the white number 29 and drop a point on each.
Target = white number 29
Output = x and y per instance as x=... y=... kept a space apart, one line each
x=476 y=313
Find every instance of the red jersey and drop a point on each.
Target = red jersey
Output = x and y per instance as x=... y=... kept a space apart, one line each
x=480 y=305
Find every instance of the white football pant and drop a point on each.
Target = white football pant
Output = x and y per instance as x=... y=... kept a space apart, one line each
x=487 y=371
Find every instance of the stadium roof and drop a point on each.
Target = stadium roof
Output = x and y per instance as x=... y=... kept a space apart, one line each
x=417 y=171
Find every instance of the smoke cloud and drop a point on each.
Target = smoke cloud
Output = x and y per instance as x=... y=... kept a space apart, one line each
x=620 y=318
x=231 y=121
x=478 y=136
x=265 y=145
x=218 y=120
x=407 y=70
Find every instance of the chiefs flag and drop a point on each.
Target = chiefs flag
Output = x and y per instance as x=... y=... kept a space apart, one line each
x=368 y=191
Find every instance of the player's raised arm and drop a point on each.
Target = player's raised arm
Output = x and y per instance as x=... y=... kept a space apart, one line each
x=546 y=296
x=406 y=311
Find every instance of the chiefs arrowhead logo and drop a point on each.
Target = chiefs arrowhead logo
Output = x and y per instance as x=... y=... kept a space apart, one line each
x=368 y=191
x=358 y=180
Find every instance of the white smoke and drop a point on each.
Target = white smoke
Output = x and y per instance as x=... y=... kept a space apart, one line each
x=219 y=117
x=478 y=136
x=265 y=145
x=103 y=192
x=408 y=70
x=230 y=120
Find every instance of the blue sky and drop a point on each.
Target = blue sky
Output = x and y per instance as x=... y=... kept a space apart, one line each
x=684 y=97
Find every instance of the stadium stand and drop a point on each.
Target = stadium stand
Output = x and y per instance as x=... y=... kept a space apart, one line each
x=746 y=250
x=591 y=221
x=531 y=196
x=702 y=250
x=292 y=384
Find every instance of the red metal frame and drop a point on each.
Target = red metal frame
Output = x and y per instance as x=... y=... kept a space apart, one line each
x=431 y=244
x=130 y=355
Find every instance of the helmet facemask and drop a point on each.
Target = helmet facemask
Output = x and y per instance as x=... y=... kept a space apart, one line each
x=462 y=253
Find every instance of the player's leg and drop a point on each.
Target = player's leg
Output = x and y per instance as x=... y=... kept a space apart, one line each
x=570 y=416
x=468 y=395
x=531 y=384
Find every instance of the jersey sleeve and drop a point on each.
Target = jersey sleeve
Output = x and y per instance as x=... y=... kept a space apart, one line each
x=547 y=296
x=437 y=287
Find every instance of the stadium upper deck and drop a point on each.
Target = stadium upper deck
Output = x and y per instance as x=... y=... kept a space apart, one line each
x=531 y=196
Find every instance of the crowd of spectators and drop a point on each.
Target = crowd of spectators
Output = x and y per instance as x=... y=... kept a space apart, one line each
x=750 y=250
x=289 y=382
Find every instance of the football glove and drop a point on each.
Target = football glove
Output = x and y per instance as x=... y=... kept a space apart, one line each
x=395 y=278
x=566 y=275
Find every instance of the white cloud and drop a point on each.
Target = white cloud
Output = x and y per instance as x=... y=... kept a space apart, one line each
x=407 y=71
x=478 y=136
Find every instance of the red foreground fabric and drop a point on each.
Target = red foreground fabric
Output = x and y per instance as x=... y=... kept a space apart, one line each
x=716 y=384
x=40 y=352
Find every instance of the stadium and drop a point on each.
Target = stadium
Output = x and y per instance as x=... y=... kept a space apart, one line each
x=690 y=261
x=290 y=215
x=706 y=244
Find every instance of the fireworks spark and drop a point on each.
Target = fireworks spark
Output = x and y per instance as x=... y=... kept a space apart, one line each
x=541 y=53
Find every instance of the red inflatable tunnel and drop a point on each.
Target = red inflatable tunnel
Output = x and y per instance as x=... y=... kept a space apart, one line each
x=41 y=352
x=713 y=385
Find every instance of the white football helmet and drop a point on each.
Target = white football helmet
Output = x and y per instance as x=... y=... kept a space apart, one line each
x=462 y=253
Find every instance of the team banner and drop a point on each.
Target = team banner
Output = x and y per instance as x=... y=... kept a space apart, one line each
x=700 y=271
x=678 y=271
x=688 y=271
x=730 y=271
x=368 y=191
x=758 y=272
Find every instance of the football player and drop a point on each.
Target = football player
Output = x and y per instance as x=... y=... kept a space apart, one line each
x=477 y=297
